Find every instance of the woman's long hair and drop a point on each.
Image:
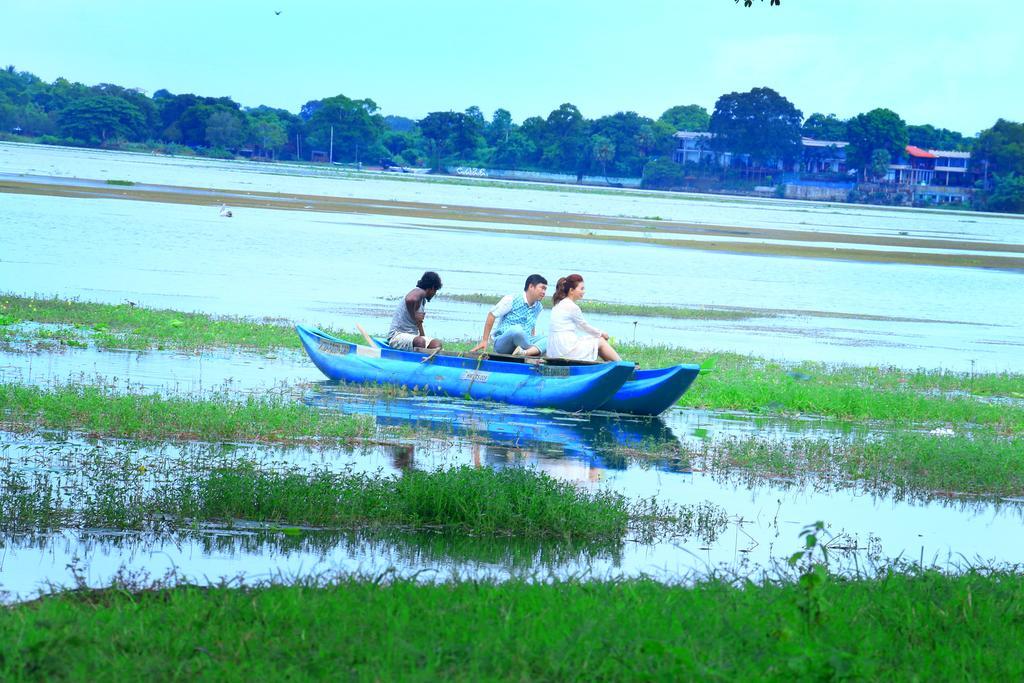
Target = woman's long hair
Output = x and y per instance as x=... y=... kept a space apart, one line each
x=564 y=286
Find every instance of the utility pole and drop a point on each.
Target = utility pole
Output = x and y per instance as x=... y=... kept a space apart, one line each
x=332 y=145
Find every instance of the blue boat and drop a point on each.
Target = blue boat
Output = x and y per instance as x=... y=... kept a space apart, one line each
x=533 y=384
x=646 y=392
x=652 y=392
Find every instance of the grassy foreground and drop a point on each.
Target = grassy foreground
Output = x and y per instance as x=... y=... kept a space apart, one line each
x=510 y=502
x=925 y=626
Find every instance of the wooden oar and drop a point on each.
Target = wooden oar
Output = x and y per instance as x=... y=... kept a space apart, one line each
x=369 y=340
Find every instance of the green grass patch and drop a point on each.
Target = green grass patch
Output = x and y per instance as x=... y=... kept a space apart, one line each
x=631 y=310
x=120 y=182
x=737 y=383
x=118 y=493
x=916 y=626
x=511 y=502
x=850 y=393
x=905 y=464
x=136 y=327
x=97 y=411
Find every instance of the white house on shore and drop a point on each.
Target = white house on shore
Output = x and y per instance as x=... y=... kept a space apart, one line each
x=942 y=168
x=819 y=156
x=931 y=167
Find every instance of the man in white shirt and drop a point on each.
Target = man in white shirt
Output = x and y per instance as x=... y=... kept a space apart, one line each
x=516 y=320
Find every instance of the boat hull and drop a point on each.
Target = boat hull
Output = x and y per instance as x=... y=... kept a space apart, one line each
x=646 y=392
x=571 y=388
x=652 y=392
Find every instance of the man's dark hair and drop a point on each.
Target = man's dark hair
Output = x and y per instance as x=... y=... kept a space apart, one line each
x=430 y=280
x=534 y=280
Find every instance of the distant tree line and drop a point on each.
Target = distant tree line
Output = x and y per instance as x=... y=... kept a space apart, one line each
x=760 y=127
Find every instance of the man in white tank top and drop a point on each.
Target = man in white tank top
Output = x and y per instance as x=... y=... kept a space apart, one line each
x=406 y=331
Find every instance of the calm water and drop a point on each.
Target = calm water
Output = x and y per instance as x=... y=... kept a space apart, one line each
x=763 y=516
x=343 y=269
x=763 y=521
x=66 y=162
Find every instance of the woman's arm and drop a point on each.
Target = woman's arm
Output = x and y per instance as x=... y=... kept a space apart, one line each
x=581 y=323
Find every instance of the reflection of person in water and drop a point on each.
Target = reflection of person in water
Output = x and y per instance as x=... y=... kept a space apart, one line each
x=401 y=456
x=561 y=468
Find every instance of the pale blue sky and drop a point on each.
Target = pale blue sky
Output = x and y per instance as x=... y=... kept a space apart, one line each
x=950 y=63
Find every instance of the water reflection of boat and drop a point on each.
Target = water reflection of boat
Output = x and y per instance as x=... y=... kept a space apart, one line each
x=602 y=440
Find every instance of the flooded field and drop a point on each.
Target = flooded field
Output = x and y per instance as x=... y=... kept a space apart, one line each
x=345 y=268
x=745 y=523
x=738 y=212
x=743 y=526
x=337 y=266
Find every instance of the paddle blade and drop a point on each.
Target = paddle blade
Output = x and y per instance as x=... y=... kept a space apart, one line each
x=369 y=340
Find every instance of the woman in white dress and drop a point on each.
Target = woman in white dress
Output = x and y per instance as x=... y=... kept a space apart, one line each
x=569 y=334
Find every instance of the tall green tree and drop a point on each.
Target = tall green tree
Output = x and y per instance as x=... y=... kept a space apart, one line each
x=8 y=112
x=268 y=132
x=225 y=130
x=183 y=117
x=566 y=140
x=877 y=129
x=824 y=127
x=293 y=128
x=661 y=141
x=399 y=124
x=761 y=123
x=499 y=128
x=1007 y=194
x=99 y=118
x=28 y=119
x=513 y=151
x=450 y=135
x=145 y=105
x=631 y=135
x=880 y=160
x=928 y=136
x=603 y=151
x=477 y=117
x=358 y=128
x=534 y=129
x=58 y=95
x=1000 y=149
x=396 y=143
x=16 y=86
x=662 y=173
x=191 y=125
x=687 y=117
